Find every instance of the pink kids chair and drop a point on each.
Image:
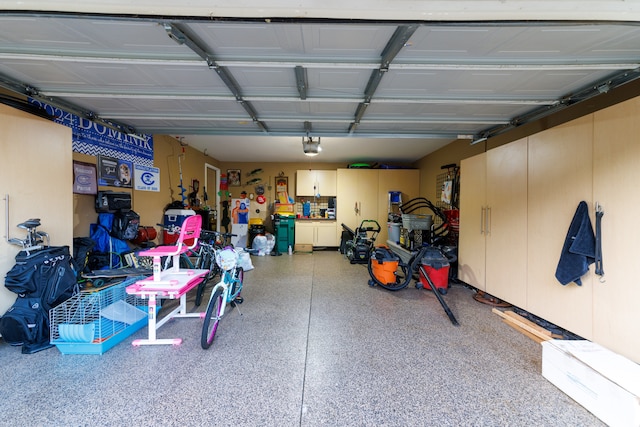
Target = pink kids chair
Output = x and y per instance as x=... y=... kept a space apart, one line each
x=187 y=240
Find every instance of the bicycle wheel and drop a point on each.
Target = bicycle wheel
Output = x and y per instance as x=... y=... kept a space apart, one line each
x=236 y=287
x=208 y=262
x=392 y=280
x=201 y=263
x=212 y=318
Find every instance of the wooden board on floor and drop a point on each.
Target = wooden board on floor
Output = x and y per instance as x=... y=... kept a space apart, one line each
x=526 y=321
x=516 y=323
x=523 y=331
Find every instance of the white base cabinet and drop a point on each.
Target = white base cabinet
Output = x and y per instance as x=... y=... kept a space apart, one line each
x=317 y=233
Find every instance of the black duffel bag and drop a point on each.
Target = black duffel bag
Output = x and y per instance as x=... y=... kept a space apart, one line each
x=111 y=201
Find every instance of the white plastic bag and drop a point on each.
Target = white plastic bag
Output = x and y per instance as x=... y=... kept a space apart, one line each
x=245 y=260
x=259 y=245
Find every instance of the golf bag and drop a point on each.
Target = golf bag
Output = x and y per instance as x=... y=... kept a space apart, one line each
x=42 y=279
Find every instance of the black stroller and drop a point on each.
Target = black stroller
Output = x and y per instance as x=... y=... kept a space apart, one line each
x=358 y=249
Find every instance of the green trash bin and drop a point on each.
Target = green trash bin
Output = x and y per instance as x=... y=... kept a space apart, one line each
x=284 y=227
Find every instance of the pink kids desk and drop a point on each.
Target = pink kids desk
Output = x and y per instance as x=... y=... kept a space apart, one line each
x=172 y=283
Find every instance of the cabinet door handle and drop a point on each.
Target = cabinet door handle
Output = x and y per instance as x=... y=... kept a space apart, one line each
x=482 y=219
x=6 y=216
x=488 y=220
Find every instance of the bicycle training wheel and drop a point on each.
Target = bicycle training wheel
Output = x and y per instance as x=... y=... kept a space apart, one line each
x=387 y=270
x=212 y=318
x=236 y=287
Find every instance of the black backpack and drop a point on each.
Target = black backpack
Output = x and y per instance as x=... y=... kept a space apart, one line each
x=125 y=225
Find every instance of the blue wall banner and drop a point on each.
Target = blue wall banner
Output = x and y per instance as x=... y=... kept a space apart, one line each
x=98 y=140
x=146 y=178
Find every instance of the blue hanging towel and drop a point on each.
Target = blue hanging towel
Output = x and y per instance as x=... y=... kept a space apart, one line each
x=579 y=249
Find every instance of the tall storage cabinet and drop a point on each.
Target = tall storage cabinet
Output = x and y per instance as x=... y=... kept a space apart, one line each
x=493 y=221
x=43 y=193
x=506 y=218
x=363 y=194
x=357 y=198
x=471 y=242
x=616 y=302
x=560 y=176
x=593 y=158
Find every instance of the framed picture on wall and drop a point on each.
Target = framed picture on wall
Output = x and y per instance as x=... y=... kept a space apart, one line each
x=125 y=174
x=84 y=178
x=115 y=172
x=233 y=178
x=107 y=170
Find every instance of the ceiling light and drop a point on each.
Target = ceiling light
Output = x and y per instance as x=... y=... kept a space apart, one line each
x=310 y=146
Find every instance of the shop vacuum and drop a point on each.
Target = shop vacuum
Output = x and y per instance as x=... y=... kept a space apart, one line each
x=384 y=265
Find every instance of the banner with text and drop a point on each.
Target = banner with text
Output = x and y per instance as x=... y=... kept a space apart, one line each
x=98 y=140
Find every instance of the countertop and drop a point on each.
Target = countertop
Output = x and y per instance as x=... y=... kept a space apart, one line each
x=315 y=219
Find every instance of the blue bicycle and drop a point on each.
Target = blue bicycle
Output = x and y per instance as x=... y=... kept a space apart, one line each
x=226 y=291
x=201 y=257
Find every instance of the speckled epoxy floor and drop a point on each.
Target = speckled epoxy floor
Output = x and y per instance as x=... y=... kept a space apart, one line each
x=314 y=346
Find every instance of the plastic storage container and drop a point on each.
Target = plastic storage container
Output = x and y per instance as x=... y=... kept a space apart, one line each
x=436 y=265
x=393 y=229
x=395 y=196
x=174 y=217
x=416 y=221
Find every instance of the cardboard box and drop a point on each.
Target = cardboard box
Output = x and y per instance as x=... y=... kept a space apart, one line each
x=284 y=208
x=605 y=383
x=303 y=248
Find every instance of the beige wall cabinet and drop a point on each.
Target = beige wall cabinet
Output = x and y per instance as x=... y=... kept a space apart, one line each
x=357 y=198
x=507 y=222
x=36 y=174
x=316 y=183
x=560 y=176
x=516 y=204
x=317 y=233
x=364 y=194
x=471 y=242
x=616 y=175
x=593 y=158
x=493 y=222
